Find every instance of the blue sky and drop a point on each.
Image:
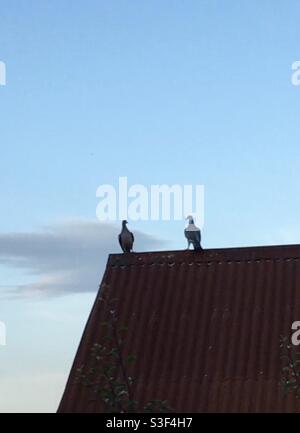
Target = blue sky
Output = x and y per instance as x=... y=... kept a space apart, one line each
x=195 y=92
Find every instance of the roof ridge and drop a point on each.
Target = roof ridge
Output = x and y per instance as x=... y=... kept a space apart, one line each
x=239 y=254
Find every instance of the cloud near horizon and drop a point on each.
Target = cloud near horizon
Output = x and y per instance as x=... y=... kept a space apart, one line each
x=65 y=258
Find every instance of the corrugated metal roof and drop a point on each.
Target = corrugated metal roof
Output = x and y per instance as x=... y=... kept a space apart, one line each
x=205 y=327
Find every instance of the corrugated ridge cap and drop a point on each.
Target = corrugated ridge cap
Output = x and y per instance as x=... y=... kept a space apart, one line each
x=206 y=255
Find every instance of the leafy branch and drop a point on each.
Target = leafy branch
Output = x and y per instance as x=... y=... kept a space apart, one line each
x=290 y=357
x=106 y=373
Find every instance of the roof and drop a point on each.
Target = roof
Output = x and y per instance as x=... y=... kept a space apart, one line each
x=204 y=327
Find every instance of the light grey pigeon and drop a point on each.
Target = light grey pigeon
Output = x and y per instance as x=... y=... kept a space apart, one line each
x=193 y=234
x=126 y=238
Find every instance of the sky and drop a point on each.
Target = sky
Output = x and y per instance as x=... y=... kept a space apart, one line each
x=162 y=92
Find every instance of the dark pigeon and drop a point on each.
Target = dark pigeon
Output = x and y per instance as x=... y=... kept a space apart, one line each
x=193 y=234
x=126 y=238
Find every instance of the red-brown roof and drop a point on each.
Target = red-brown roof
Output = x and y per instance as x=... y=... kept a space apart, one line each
x=205 y=327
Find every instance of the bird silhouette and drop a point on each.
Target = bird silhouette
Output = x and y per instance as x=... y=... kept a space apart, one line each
x=193 y=234
x=126 y=238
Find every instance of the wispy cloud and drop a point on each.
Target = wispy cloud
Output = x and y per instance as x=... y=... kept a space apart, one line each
x=64 y=258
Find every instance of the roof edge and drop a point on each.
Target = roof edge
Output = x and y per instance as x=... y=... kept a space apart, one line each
x=206 y=255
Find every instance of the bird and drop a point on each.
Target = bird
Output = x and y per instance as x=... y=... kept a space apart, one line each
x=126 y=238
x=193 y=234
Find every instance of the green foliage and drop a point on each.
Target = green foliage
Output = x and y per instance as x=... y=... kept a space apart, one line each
x=106 y=373
x=290 y=357
x=155 y=406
